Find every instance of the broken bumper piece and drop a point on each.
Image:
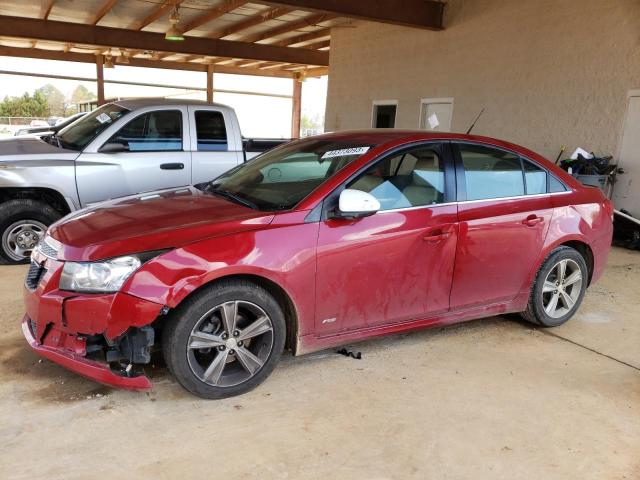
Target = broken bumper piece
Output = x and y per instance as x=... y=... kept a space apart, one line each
x=91 y=369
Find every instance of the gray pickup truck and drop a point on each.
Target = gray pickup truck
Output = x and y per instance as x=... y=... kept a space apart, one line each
x=122 y=148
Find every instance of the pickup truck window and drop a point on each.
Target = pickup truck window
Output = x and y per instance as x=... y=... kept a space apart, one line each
x=152 y=132
x=211 y=131
x=79 y=134
x=279 y=179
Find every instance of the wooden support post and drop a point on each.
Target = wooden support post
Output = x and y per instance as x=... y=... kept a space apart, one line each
x=210 y=83
x=296 y=108
x=100 y=78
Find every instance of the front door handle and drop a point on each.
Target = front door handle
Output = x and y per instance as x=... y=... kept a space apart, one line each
x=172 y=166
x=532 y=220
x=436 y=236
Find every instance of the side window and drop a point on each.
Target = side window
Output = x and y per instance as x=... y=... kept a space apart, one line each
x=535 y=178
x=152 y=132
x=211 y=131
x=555 y=185
x=491 y=173
x=410 y=179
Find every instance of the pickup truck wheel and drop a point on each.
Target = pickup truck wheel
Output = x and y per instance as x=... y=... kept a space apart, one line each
x=23 y=222
x=225 y=340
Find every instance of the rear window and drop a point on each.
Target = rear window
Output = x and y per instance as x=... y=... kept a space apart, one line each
x=211 y=131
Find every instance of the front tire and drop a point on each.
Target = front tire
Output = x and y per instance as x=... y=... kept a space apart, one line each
x=23 y=223
x=558 y=289
x=224 y=340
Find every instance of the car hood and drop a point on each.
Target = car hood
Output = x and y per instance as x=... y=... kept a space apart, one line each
x=152 y=221
x=31 y=147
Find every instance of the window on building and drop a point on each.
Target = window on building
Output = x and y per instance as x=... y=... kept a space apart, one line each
x=384 y=115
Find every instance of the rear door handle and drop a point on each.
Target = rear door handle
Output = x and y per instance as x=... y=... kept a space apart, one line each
x=532 y=220
x=172 y=166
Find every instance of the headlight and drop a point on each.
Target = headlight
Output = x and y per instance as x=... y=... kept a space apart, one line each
x=103 y=277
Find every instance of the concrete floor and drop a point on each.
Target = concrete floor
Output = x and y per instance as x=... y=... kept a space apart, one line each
x=487 y=399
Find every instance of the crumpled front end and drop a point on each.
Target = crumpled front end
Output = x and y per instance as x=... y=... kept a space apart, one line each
x=104 y=337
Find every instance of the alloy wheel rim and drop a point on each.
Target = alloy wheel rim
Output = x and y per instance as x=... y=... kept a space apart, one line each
x=562 y=288
x=20 y=238
x=230 y=343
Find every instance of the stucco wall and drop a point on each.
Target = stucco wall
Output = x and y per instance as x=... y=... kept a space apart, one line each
x=548 y=72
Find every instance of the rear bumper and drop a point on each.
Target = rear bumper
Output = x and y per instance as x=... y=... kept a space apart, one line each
x=87 y=368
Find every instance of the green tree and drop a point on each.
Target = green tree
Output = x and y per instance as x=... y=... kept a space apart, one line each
x=25 y=106
x=56 y=100
x=81 y=94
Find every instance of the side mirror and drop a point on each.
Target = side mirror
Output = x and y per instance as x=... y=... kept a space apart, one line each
x=356 y=203
x=114 y=147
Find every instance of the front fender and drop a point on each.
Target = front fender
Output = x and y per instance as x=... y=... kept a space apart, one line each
x=284 y=255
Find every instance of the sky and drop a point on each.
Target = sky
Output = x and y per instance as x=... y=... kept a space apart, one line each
x=259 y=116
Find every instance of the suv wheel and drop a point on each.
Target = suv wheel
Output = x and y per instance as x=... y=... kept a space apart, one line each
x=23 y=222
x=558 y=289
x=225 y=340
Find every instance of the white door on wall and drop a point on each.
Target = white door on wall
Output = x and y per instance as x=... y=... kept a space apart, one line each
x=626 y=192
x=436 y=114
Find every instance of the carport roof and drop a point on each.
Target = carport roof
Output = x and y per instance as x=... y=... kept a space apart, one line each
x=281 y=38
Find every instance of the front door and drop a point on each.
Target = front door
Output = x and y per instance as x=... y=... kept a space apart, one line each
x=146 y=154
x=503 y=223
x=397 y=264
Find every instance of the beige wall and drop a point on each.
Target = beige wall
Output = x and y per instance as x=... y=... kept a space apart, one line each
x=548 y=72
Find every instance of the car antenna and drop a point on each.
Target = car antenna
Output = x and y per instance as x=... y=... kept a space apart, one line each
x=475 y=121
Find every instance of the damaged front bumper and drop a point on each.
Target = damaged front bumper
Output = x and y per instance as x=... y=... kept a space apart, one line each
x=100 y=372
x=104 y=337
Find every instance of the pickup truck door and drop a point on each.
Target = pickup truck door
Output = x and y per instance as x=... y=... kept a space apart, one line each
x=148 y=151
x=216 y=143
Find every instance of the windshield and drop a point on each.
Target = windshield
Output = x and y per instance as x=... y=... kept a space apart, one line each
x=279 y=179
x=79 y=134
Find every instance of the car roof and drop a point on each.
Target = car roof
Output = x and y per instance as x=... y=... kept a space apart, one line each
x=135 y=103
x=383 y=136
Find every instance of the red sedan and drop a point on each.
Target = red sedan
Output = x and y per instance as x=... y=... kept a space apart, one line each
x=320 y=242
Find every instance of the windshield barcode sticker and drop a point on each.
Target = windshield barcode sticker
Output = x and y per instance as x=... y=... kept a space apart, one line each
x=103 y=118
x=345 y=152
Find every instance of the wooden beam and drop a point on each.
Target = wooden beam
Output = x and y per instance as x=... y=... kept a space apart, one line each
x=100 y=78
x=47 y=5
x=319 y=45
x=216 y=12
x=296 y=108
x=138 y=62
x=426 y=14
x=252 y=21
x=305 y=37
x=106 y=8
x=291 y=26
x=210 y=83
x=157 y=12
x=67 y=32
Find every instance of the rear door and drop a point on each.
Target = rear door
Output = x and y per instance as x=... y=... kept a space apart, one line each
x=149 y=152
x=214 y=142
x=397 y=264
x=504 y=213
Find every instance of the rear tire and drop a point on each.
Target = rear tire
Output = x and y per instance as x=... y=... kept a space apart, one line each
x=224 y=340
x=23 y=223
x=558 y=289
